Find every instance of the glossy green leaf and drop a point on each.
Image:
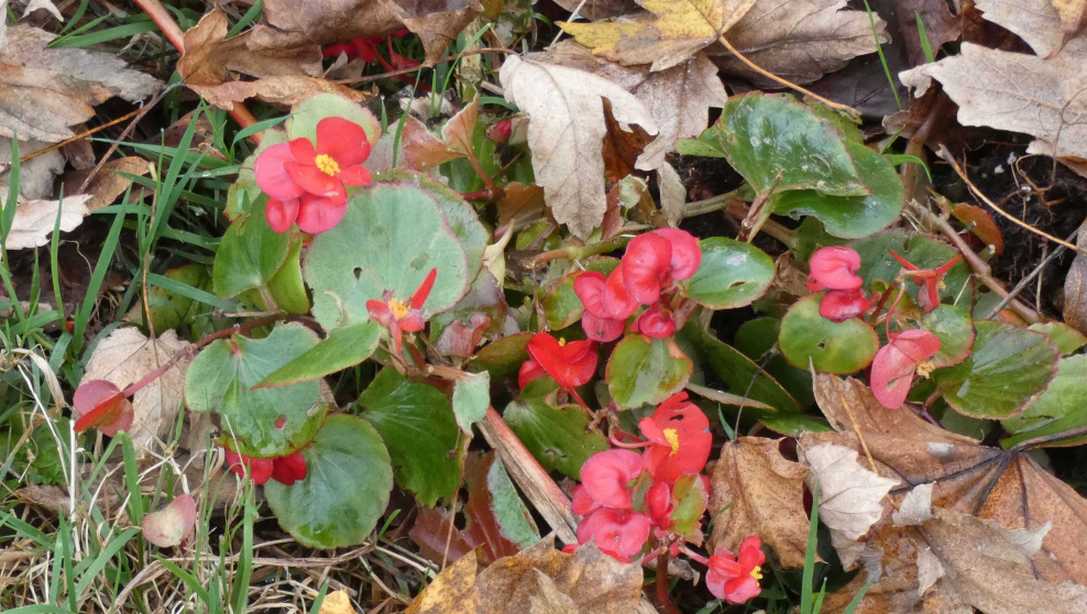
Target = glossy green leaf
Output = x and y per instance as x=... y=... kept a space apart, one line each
x=416 y=422
x=741 y=374
x=1007 y=369
x=286 y=286
x=831 y=347
x=306 y=114
x=503 y=356
x=1058 y=418
x=851 y=217
x=471 y=398
x=345 y=491
x=877 y=264
x=779 y=144
x=689 y=500
x=1066 y=338
x=956 y=332
x=732 y=274
x=795 y=425
x=514 y=519
x=264 y=421
x=757 y=339
x=389 y=240
x=341 y=349
x=249 y=256
x=643 y=371
x=559 y=437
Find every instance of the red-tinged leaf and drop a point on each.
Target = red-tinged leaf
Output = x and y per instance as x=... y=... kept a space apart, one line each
x=483 y=527
x=100 y=404
x=173 y=525
x=438 y=538
x=981 y=224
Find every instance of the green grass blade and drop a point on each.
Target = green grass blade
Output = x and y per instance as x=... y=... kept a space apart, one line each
x=105 y=259
x=806 y=586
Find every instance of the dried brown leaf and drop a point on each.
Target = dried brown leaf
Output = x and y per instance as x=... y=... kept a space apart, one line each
x=173 y=525
x=566 y=133
x=37 y=175
x=457 y=132
x=941 y=26
x=337 y=602
x=756 y=490
x=1073 y=15
x=438 y=537
x=1075 y=286
x=34 y=220
x=110 y=182
x=454 y=590
x=45 y=90
x=1035 y=21
x=598 y=9
x=673 y=194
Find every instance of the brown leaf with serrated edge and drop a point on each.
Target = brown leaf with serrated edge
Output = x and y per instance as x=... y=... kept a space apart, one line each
x=756 y=490
x=1075 y=286
x=1005 y=486
x=454 y=590
x=438 y=537
x=457 y=132
x=44 y=90
x=483 y=528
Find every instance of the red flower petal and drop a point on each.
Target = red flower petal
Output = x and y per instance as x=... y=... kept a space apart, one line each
x=281 y=214
x=834 y=268
x=646 y=265
x=582 y=503
x=316 y=215
x=895 y=364
x=356 y=176
x=315 y=182
x=841 y=305
x=572 y=364
x=606 y=477
x=260 y=469
x=303 y=151
x=620 y=534
x=751 y=554
x=918 y=344
x=658 y=502
x=290 y=468
x=379 y=311
x=679 y=432
x=656 y=323
x=413 y=322
x=344 y=140
x=605 y=297
x=418 y=298
x=272 y=177
x=603 y=330
x=530 y=370
x=686 y=252
x=736 y=581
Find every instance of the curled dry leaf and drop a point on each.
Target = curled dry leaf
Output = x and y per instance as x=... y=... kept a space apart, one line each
x=44 y=91
x=173 y=525
x=1075 y=286
x=34 y=220
x=124 y=357
x=36 y=175
x=756 y=490
x=566 y=131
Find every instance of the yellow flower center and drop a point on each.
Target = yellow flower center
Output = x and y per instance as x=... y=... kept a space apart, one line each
x=925 y=368
x=327 y=165
x=399 y=309
x=756 y=572
x=672 y=437
x=562 y=342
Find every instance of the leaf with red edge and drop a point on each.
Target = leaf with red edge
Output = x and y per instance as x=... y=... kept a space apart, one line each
x=438 y=537
x=100 y=404
x=483 y=526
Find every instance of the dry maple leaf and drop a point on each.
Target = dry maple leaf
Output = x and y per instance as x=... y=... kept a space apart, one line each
x=45 y=90
x=756 y=490
x=566 y=132
x=123 y=358
x=34 y=220
x=1005 y=486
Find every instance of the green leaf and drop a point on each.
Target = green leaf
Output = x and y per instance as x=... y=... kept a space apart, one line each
x=345 y=491
x=851 y=217
x=732 y=274
x=956 y=332
x=390 y=238
x=877 y=264
x=779 y=144
x=221 y=379
x=741 y=374
x=416 y=422
x=559 y=437
x=1060 y=414
x=306 y=114
x=831 y=347
x=169 y=309
x=514 y=520
x=286 y=287
x=1008 y=368
x=502 y=357
x=471 y=398
x=249 y=256
x=794 y=425
x=556 y=299
x=1066 y=338
x=643 y=371
x=343 y=348
x=690 y=500
x=757 y=339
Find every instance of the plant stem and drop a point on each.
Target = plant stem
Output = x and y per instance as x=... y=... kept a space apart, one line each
x=577 y=252
x=664 y=601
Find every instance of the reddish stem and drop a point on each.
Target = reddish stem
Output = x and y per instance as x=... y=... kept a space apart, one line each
x=663 y=599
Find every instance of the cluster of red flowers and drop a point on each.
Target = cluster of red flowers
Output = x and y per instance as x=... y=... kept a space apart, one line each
x=285 y=469
x=306 y=183
x=366 y=48
x=653 y=262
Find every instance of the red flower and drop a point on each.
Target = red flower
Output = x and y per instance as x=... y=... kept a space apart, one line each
x=736 y=580
x=620 y=534
x=680 y=438
x=307 y=184
x=530 y=371
x=841 y=305
x=930 y=279
x=285 y=469
x=607 y=304
x=500 y=131
x=570 y=364
x=290 y=468
x=834 y=268
x=656 y=323
x=101 y=404
x=896 y=363
x=659 y=504
x=606 y=478
x=399 y=318
x=654 y=260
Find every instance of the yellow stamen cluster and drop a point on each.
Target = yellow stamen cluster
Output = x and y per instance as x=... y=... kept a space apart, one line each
x=399 y=309
x=756 y=572
x=327 y=165
x=672 y=437
x=925 y=368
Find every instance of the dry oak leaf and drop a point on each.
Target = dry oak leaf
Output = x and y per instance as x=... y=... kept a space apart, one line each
x=1035 y=21
x=283 y=76
x=1075 y=286
x=34 y=220
x=757 y=490
x=123 y=358
x=44 y=91
x=1004 y=486
x=566 y=133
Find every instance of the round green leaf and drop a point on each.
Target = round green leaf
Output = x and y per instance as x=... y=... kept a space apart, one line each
x=265 y=421
x=390 y=238
x=471 y=398
x=643 y=371
x=795 y=425
x=1061 y=409
x=249 y=256
x=1066 y=338
x=832 y=347
x=851 y=217
x=732 y=274
x=559 y=437
x=877 y=264
x=343 y=348
x=416 y=422
x=502 y=357
x=306 y=114
x=1007 y=369
x=345 y=491
x=956 y=332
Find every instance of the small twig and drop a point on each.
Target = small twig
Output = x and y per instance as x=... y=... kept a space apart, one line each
x=663 y=599
x=1019 y=287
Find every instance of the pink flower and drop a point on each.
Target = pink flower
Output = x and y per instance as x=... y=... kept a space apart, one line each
x=659 y=504
x=286 y=469
x=307 y=185
x=736 y=580
x=607 y=475
x=607 y=304
x=290 y=468
x=656 y=323
x=841 y=305
x=680 y=438
x=655 y=260
x=896 y=363
x=101 y=404
x=834 y=268
x=398 y=317
x=620 y=534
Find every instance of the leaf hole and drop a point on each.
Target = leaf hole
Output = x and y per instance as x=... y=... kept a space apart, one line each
x=357 y=271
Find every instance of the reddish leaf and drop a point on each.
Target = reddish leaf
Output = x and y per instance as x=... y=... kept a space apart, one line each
x=101 y=405
x=483 y=529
